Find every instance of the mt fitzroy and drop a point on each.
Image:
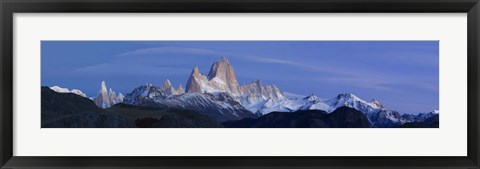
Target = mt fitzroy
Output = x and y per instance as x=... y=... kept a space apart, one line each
x=221 y=78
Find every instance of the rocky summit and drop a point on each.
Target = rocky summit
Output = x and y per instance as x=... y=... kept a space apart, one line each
x=105 y=99
x=222 y=71
x=222 y=78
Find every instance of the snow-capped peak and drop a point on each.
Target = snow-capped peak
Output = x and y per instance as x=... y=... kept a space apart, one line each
x=352 y=101
x=78 y=92
x=59 y=89
x=348 y=96
x=377 y=103
x=311 y=97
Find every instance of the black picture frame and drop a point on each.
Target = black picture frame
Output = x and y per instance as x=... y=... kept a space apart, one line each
x=9 y=7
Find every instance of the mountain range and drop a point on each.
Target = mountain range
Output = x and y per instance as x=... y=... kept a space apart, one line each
x=219 y=96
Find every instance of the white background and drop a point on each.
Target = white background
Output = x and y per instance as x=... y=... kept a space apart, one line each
x=449 y=140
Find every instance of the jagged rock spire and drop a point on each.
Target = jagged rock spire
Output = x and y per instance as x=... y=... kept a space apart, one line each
x=195 y=71
x=196 y=81
x=167 y=88
x=103 y=87
x=221 y=78
x=224 y=72
x=105 y=99
x=180 y=89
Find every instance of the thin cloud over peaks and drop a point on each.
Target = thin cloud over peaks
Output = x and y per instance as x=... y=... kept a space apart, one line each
x=162 y=50
x=207 y=53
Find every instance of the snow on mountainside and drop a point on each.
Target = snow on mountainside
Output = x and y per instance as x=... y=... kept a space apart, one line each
x=262 y=99
x=420 y=116
x=374 y=110
x=120 y=96
x=152 y=92
x=105 y=99
x=65 y=90
x=350 y=100
x=312 y=102
x=220 y=106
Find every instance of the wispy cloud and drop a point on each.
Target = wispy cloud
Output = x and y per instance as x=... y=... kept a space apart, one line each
x=118 y=68
x=273 y=60
x=381 y=83
x=333 y=70
x=358 y=82
x=206 y=53
x=134 y=63
x=318 y=67
x=162 y=50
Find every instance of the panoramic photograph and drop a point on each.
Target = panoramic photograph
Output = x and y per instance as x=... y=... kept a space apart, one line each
x=239 y=84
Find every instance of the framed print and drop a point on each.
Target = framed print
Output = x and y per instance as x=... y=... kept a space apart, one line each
x=232 y=84
x=218 y=99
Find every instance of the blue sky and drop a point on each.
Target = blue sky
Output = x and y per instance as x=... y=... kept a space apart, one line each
x=402 y=75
